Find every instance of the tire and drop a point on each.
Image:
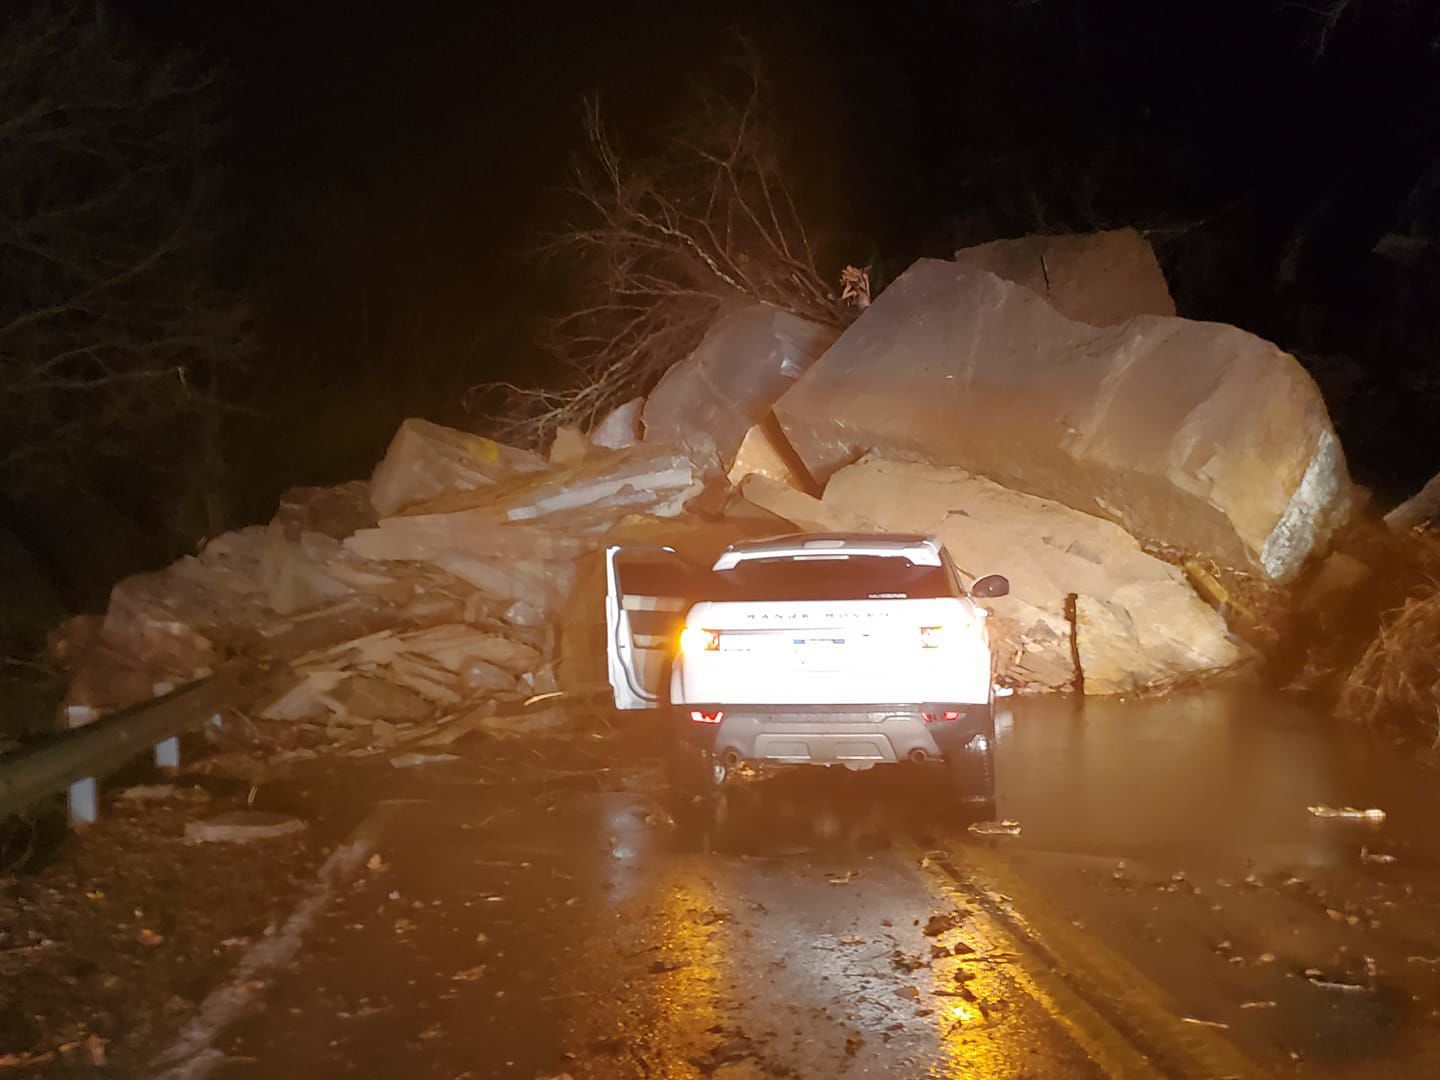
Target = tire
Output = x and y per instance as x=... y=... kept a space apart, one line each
x=971 y=773
x=694 y=771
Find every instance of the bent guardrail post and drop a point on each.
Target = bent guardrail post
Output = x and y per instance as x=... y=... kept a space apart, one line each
x=75 y=758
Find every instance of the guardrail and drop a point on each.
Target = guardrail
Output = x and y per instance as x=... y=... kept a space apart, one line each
x=74 y=760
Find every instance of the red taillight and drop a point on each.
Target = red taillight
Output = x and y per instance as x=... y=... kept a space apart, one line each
x=948 y=714
x=706 y=717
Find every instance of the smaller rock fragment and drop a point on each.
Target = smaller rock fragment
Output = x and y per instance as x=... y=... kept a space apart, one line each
x=147 y=793
x=242 y=826
x=411 y=760
x=1348 y=813
x=941 y=922
x=995 y=828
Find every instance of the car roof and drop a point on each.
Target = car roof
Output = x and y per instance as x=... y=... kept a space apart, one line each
x=915 y=548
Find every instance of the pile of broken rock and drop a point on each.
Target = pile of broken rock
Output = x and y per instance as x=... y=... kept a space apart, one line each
x=1039 y=405
x=1036 y=403
x=390 y=608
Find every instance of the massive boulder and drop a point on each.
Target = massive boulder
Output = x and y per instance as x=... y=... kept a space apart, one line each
x=1192 y=435
x=1097 y=278
x=1156 y=631
x=707 y=402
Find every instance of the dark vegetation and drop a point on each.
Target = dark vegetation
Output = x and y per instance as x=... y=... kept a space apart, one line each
x=373 y=186
x=101 y=962
x=117 y=342
x=1366 y=629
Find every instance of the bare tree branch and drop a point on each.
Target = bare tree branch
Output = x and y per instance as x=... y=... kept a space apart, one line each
x=113 y=335
x=663 y=246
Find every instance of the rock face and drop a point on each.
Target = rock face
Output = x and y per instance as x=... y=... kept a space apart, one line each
x=1139 y=624
x=706 y=403
x=1099 y=278
x=1193 y=435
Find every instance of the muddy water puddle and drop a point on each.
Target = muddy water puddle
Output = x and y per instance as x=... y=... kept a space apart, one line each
x=1231 y=770
x=1222 y=773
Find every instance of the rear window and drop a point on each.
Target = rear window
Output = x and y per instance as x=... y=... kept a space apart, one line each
x=856 y=577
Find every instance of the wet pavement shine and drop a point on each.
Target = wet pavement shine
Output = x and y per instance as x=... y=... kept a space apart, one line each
x=1170 y=908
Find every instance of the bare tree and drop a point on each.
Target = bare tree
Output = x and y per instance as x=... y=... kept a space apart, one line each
x=663 y=245
x=1328 y=16
x=114 y=339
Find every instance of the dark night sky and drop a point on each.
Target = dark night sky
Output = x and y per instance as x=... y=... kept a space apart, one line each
x=392 y=163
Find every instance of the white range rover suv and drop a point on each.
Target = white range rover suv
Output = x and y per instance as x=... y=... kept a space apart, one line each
x=827 y=649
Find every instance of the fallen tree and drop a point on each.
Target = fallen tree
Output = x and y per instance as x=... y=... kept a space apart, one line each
x=662 y=246
x=1396 y=681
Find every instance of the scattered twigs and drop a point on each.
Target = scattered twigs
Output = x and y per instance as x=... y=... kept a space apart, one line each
x=1397 y=678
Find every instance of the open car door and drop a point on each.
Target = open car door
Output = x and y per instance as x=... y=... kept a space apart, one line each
x=647 y=592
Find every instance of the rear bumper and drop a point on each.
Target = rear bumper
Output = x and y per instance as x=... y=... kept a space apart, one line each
x=835 y=734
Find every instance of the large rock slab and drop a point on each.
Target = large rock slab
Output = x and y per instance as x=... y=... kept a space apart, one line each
x=541 y=515
x=1148 y=635
x=1197 y=436
x=1422 y=508
x=1099 y=278
x=620 y=427
x=426 y=460
x=707 y=402
x=1051 y=554
x=516 y=540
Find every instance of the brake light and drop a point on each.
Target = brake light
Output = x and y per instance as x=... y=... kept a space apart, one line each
x=707 y=717
x=932 y=637
x=948 y=714
x=694 y=640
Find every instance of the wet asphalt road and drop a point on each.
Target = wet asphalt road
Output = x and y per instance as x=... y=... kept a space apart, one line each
x=1169 y=909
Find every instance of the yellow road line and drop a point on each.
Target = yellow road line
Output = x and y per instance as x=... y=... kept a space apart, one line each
x=1120 y=1018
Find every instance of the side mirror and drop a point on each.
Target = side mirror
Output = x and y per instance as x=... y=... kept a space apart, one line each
x=989 y=586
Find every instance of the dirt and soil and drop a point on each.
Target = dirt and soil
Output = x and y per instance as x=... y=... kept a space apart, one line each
x=111 y=934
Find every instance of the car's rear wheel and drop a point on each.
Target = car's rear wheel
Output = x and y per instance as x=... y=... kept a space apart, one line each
x=695 y=771
x=971 y=771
